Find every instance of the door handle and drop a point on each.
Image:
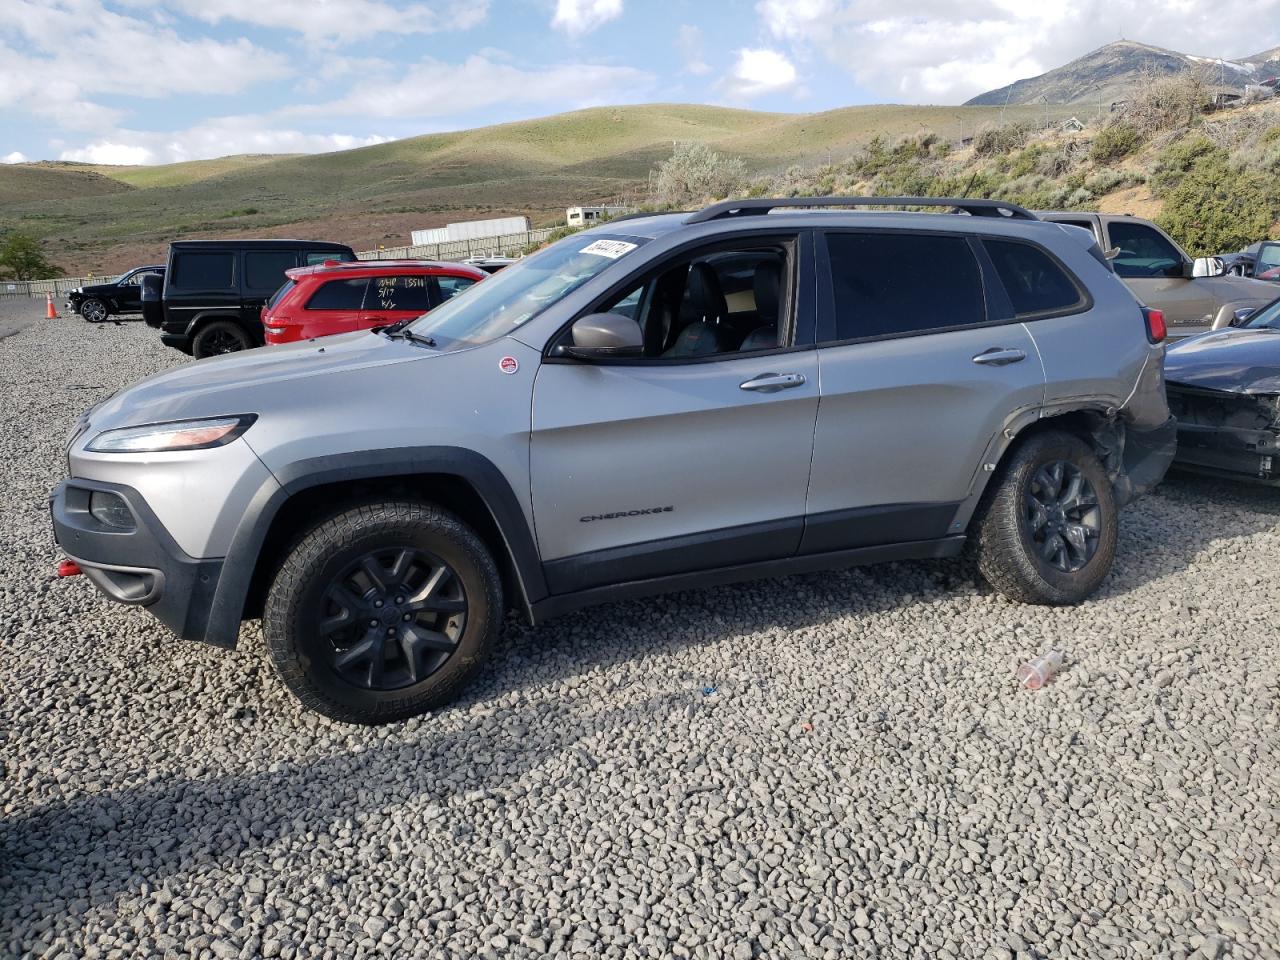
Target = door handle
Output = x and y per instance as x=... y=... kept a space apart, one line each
x=1000 y=356
x=773 y=382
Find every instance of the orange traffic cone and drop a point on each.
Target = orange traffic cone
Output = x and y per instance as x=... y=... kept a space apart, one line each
x=51 y=312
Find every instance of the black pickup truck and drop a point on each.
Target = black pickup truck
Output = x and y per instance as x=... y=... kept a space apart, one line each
x=214 y=290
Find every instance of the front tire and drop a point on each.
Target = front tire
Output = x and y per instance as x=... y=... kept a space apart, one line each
x=1046 y=531
x=383 y=612
x=94 y=310
x=219 y=337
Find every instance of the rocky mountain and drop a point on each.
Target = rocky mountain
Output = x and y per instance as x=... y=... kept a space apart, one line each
x=1112 y=72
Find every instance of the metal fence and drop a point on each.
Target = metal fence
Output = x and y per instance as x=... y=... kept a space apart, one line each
x=502 y=246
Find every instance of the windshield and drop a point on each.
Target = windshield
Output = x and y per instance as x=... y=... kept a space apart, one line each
x=123 y=277
x=1268 y=316
x=520 y=292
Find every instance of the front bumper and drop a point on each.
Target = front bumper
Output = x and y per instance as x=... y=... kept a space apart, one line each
x=139 y=567
x=1225 y=434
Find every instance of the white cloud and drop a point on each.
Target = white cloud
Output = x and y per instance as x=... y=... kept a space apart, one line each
x=689 y=43
x=16 y=157
x=758 y=71
x=578 y=17
x=434 y=88
x=341 y=20
x=58 y=57
x=220 y=137
x=941 y=51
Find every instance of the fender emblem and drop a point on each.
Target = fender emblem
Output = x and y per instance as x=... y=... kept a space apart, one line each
x=508 y=364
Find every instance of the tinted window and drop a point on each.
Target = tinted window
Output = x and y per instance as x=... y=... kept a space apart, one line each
x=338 y=295
x=264 y=269
x=204 y=271
x=398 y=293
x=320 y=256
x=451 y=286
x=1035 y=283
x=897 y=283
x=1144 y=252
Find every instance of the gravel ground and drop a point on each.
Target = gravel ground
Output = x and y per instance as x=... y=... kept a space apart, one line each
x=823 y=766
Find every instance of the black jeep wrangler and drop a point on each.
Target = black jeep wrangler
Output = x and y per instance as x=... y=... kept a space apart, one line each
x=214 y=290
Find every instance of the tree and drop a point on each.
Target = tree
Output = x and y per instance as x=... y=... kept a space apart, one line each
x=22 y=256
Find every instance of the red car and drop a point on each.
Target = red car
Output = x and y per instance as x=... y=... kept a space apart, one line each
x=337 y=297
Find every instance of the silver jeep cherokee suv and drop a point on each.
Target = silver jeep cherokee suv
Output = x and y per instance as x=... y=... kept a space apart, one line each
x=665 y=401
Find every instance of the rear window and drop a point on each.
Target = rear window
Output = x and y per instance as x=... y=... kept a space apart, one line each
x=339 y=295
x=398 y=293
x=891 y=284
x=204 y=271
x=1034 y=282
x=264 y=269
x=281 y=293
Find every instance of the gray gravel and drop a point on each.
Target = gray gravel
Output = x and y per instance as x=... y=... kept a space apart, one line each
x=865 y=779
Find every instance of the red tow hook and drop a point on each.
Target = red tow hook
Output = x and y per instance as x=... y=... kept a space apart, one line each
x=69 y=568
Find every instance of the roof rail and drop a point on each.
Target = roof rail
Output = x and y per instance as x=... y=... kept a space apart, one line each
x=976 y=208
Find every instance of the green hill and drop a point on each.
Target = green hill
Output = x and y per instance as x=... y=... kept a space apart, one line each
x=103 y=218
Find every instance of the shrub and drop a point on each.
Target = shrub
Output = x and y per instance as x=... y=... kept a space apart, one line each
x=1113 y=142
x=1169 y=102
x=1175 y=160
x=1106 y=180
x=991 y=141
x=1213 y=208
x=694 y=174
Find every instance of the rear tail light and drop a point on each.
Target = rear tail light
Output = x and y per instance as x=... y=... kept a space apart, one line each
x=1156 y=330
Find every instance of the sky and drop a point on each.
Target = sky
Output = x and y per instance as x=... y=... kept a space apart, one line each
x=158 y=81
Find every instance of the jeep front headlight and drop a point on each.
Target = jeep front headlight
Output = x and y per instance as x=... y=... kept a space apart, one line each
x=174 y=435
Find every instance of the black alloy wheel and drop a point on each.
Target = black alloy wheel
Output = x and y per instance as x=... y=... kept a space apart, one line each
x=222 y=341
x=391 y=618
x=1064 y=519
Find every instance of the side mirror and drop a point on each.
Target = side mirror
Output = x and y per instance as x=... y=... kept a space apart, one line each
x=1208 y=267
x=1241 y=315
x=604 y=336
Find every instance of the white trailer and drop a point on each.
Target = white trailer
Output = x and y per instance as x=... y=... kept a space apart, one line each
x=471 y=230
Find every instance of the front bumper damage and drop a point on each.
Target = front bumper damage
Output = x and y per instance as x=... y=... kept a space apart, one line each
x=1227 y=434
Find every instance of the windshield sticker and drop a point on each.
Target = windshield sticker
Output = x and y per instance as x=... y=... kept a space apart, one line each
x=612 y=249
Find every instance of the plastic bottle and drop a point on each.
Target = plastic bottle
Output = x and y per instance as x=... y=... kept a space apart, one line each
x=1034 y=674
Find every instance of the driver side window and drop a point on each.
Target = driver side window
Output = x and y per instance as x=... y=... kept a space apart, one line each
x=1144 y=252
x=724 y=301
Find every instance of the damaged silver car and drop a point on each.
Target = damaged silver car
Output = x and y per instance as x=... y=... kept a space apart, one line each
x=1224 y=388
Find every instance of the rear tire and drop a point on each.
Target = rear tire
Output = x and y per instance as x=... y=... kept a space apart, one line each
x=94 y=310
x=218 y=338
x=1046 y=530
x=383 y=612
